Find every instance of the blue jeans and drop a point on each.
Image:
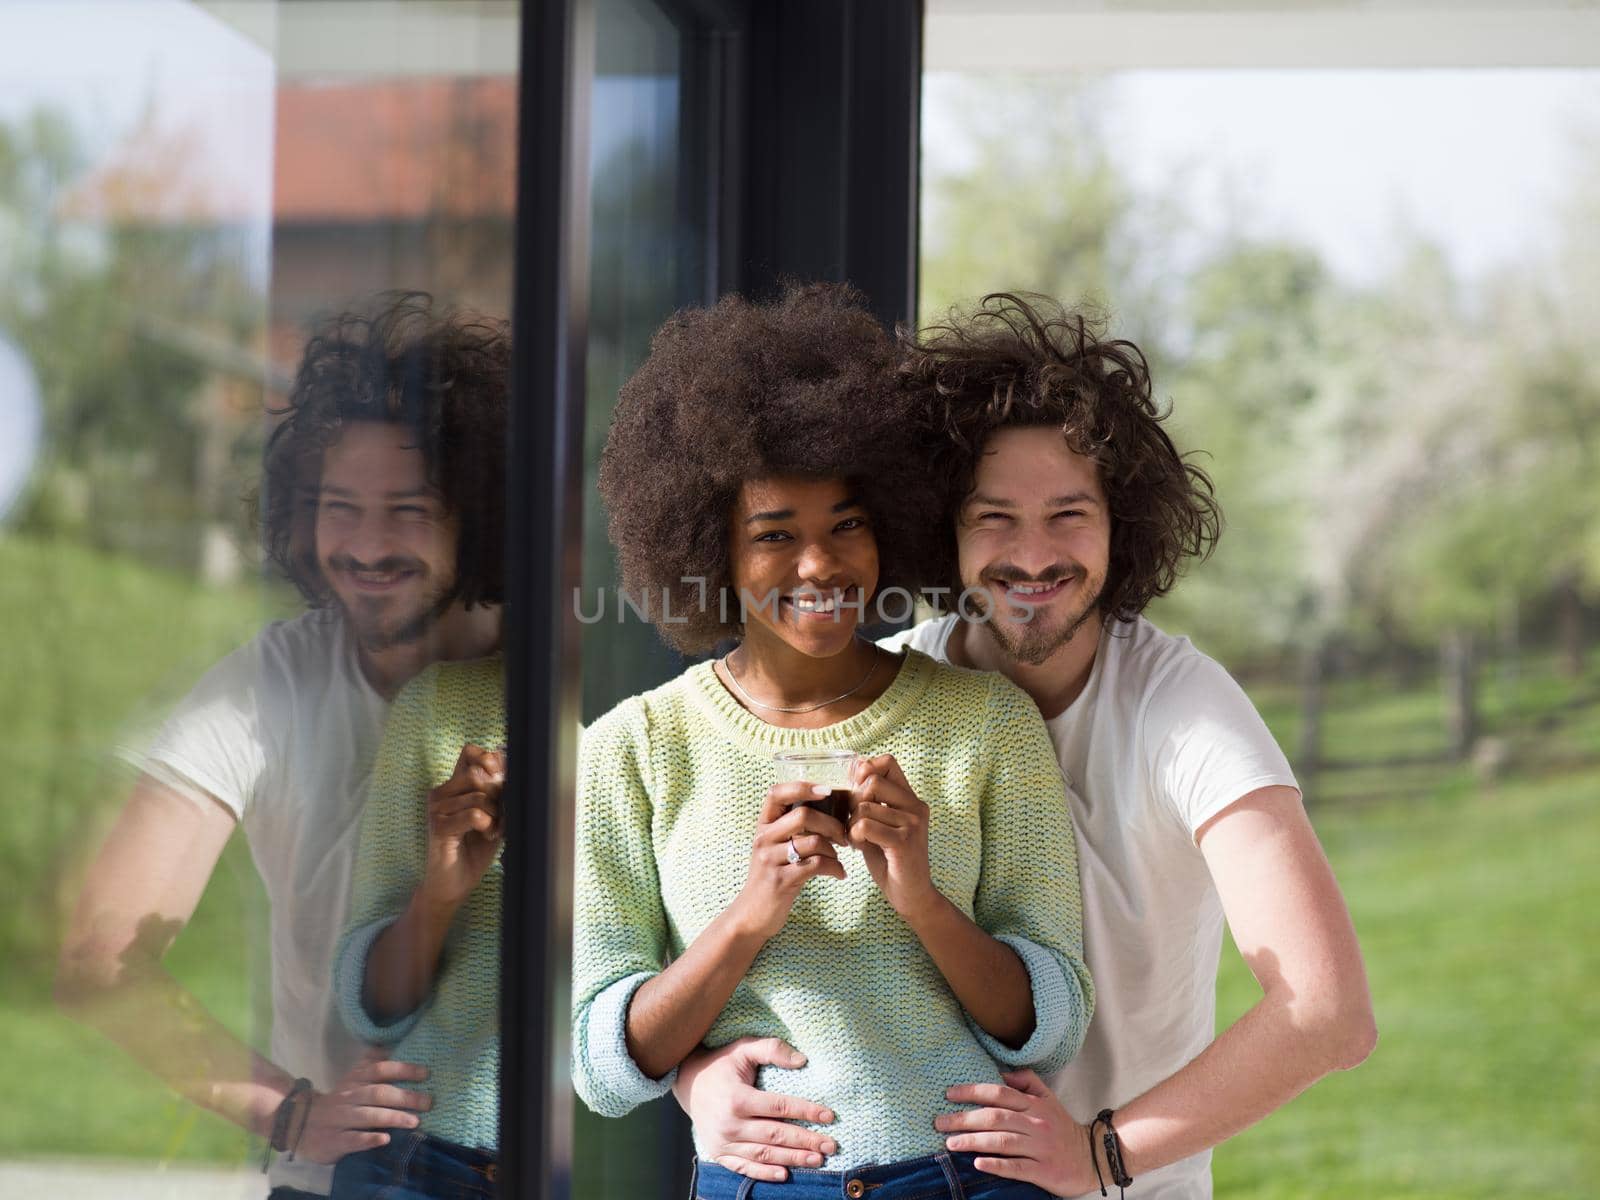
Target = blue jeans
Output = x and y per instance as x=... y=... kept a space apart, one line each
x=941 y=1176
x=415 y=1166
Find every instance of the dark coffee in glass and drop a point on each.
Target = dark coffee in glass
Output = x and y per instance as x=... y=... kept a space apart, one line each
x=830 y=769
x=836 y=805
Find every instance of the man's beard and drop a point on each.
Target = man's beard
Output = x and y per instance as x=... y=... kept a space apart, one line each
x=377 y=632
x=1032 y=642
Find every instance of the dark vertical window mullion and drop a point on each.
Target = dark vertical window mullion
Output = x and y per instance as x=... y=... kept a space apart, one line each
x=543 y=567
x=883 y=149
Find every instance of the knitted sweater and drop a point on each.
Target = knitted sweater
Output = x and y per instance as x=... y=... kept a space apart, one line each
x=670 y=788
x=456 y=1031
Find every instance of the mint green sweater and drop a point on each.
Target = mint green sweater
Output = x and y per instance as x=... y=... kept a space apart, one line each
x=670 y=787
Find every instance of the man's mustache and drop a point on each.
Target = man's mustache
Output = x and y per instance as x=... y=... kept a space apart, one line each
x=343 y=562
x=1047 y=578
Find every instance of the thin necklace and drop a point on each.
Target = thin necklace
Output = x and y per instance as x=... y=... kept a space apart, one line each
x=727 y=665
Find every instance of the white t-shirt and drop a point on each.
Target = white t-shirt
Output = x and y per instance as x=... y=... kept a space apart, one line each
x=283 y=732
x=1161 y=740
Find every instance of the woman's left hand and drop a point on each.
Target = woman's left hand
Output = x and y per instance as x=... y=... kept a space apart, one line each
x=889 y=825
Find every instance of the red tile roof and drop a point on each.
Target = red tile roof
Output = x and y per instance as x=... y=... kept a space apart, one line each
x=395 y=151
x=362 y=153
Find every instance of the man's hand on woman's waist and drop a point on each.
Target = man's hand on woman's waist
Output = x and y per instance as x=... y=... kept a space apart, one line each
x=743 y=1128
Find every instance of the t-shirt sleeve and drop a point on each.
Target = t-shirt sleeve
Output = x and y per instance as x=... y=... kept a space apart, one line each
x=214 y=741
x=1206 y=745
x=619 y=925
x=1028 y=893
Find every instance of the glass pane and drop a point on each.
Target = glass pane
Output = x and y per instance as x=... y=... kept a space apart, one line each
x=646 y=259
x=135 y=202
x=636 y=174
x=1383 y=340
x=253 y=359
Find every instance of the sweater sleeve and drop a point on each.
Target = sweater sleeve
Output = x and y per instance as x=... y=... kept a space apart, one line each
x=1028 y=894
x=619 y=926
x=390 y=856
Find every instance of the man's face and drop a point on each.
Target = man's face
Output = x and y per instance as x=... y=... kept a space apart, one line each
x=1034 y=534
x=385 y=543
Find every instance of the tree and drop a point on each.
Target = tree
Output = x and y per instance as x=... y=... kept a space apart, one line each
x=1042 y=208
x=117 y=316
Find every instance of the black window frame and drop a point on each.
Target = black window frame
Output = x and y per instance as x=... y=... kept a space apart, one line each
x=795 y=171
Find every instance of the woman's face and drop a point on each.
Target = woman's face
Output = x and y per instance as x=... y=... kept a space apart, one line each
x=805 y=562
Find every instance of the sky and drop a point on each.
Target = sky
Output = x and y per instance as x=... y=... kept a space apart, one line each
x=1477 y=160
x=1342 y=160
x=105 y=61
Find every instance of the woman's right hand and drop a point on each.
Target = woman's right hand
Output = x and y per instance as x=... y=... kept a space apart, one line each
x=774 y=882
x=464 y=829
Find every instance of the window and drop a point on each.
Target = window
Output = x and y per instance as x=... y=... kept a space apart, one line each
x=1357 y=244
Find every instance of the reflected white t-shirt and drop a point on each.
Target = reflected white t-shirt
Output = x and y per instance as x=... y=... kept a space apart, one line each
x=1161 y=740
x=283 y=732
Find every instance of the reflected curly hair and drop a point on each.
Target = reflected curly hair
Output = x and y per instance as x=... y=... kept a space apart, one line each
x=803 y=386
x=1022 y=360
x=442 y=375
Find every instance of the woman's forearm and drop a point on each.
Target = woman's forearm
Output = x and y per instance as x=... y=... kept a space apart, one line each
x=404 y=960
x=986 y=975
x=672 y=1011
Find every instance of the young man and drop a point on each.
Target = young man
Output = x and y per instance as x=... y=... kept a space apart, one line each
x=382 y=502
x=1071 y=510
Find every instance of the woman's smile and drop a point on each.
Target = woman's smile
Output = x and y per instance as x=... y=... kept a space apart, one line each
x=814 y=604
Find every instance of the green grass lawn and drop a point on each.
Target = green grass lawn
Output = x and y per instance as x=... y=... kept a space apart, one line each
x=79 y=1096
x=1476 y=907
x=1477 y=914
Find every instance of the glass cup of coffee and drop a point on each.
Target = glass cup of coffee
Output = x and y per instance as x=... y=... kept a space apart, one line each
x=825 y=768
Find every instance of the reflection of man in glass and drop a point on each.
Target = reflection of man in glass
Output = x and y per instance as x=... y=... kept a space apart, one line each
x=382 y=503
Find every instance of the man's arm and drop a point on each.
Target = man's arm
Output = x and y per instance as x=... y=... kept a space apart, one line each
x=1291 y=925
x=1314 y=1017
x=139 y=894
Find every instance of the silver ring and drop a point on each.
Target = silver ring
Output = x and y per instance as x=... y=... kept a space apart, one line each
x=794 y=855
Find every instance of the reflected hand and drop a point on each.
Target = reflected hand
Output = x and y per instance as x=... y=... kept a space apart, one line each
x=889 y=825
x=774 y=882
x=464 y=828
x=745 y=1129
x=352 y=1116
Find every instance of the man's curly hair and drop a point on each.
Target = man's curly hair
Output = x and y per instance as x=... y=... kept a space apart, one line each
x=1024 y=360
x=441 y=375
x=803 y=386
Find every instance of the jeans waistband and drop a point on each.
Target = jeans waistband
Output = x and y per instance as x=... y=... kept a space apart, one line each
x=431 y=1163
x=943 y=1176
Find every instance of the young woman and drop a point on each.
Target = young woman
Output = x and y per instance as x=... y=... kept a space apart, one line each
x=761 y=487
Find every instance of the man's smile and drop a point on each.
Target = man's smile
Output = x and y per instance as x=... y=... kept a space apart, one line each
x=1032 y=594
